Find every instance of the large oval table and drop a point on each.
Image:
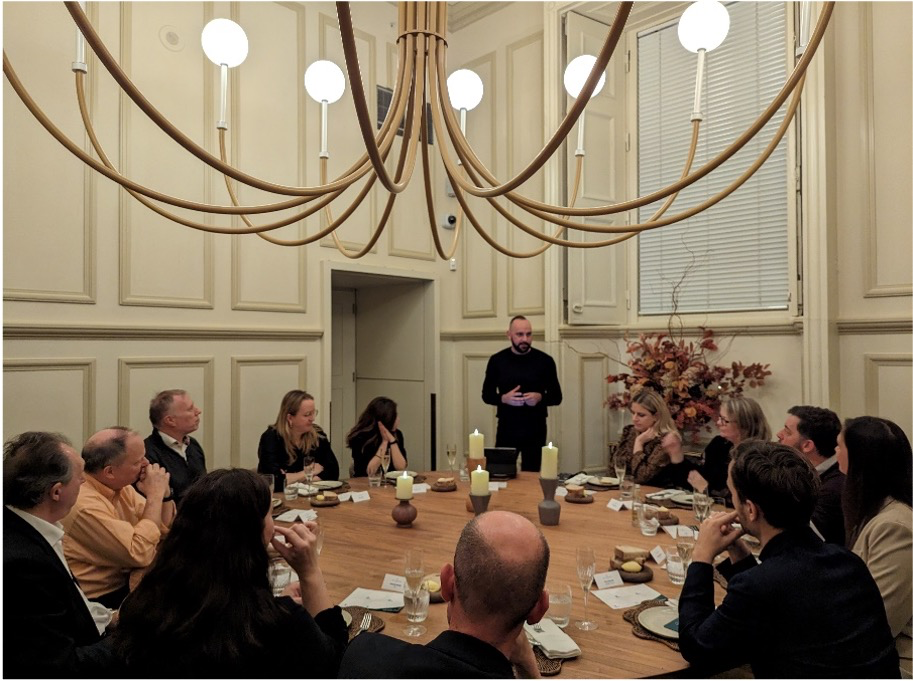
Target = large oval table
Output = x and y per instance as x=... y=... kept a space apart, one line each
x=362 y=543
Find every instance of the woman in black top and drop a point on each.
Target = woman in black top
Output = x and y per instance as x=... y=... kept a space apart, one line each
x=375 y=432
x=206 y=609
x=284 y=444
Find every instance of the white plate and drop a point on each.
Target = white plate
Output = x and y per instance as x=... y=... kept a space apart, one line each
x=347 y=617
x=395 y=474
x=655 y=620
x=277 y=503
x=327 y=484
x=684 y=498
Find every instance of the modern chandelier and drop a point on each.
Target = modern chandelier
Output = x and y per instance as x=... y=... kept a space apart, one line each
x=422 y=80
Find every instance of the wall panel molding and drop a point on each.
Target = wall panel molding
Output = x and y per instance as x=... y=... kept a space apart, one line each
x=114 y=332
x=477 y=359
x=588 y=366
x=873 y=362
x=84 y=365
x=875 y=326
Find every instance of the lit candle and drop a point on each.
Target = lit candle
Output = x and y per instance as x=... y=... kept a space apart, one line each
x=479 y=485
x=476 y=445
x=404 y=486
x=549 y=470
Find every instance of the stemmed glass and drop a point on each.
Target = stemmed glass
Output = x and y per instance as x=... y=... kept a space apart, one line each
x=451 y=456
x=586 y=568
x=620 y=469
x=414 y=568
x=385 y=462
x=701 y=504
x=309 y=471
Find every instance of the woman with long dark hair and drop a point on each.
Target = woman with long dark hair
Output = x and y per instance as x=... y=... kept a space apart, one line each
x=876 y=457
x=284 y=444
x=206 y=609
x=376 y=432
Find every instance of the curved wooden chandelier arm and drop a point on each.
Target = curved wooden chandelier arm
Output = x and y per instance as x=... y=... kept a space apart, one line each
x=695 y=133
x=429 y=204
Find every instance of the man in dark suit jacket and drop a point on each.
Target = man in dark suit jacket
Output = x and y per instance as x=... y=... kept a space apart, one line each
x=174 y=417
x=48 y=628
x=498 y=553
x=812 y=431
x=807 y=610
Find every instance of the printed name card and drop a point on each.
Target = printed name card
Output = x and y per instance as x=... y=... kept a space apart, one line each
x=394 y=583
x=606 y=580
x=495 y=486
x=420 y=488
x=658 y=554
x=671 y=530
x=345 y=496
x=360 y=496
x=615 y=505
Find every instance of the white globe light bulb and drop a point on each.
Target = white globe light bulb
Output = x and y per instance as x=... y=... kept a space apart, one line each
x=465 y=88
x=323 y=80
x=224 y=42
x=703 y=26
x=576 y=73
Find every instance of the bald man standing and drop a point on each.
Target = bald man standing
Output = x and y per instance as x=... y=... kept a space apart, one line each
x=498 y=553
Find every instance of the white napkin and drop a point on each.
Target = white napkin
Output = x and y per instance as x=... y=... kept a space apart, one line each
x=297 y=514
x=303 y=488
x=663 y=494
x=579 y=479
x=553 y=642
x=375 y=599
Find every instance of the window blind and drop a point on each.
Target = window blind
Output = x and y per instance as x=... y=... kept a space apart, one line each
x=733 y=256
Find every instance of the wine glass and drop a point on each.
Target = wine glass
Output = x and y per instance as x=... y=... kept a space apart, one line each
x=414 y=568
x=620 y=470
x=586 y=568
x=701 y=504
x=451 y=456
x=320 y=534
x=309 y=471
x=385 y=462
x=417 y=610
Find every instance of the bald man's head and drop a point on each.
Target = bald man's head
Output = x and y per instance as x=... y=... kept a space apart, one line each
x=500 y=553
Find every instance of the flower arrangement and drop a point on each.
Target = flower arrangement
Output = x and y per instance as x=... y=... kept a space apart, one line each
x=681 y=373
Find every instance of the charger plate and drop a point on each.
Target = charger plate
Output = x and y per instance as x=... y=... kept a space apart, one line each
x=631 y=617
x=655 y=620
x=357 y=613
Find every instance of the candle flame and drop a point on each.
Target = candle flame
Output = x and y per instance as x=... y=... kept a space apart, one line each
x=476 y=431
x=479 y=467
x=550 y=445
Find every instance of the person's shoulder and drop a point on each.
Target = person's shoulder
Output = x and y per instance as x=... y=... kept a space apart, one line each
x=372 y=655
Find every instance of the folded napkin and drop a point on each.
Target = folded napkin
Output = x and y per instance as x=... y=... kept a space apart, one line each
x=303 y=488
x=579 y=479
x=663 y=494
x=297 y=514
x=554 y=643
x=374 y=599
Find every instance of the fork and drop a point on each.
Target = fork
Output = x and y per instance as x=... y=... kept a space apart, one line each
x=365 y=624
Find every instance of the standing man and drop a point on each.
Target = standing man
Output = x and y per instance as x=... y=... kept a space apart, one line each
x=812 y=431
x=113 y=529
x=49 y=628
x=522 y=382
x=174 y=417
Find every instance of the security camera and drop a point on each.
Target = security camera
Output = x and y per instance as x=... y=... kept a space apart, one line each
x=448 y=221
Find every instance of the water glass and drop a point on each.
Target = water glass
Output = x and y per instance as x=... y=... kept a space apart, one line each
x=675 y=566
x=626 y=487
x=375 y=478
x=416 y=602
x=451 y=452
x=648 y=521
x=559 y=604
x=464 y=470
x=291 y=491
x=319 y=543
x=280 y=576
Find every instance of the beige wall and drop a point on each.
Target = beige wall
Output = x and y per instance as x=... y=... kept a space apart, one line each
x=105 y=303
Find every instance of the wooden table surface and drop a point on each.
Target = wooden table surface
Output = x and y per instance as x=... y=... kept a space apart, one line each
x=362 y=543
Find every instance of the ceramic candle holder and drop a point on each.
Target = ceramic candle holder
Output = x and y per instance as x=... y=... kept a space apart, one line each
x=549 y=509
x=479 y=502
x=404 y=513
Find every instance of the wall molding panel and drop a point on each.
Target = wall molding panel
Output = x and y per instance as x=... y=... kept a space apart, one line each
x=474 y=410
x=112 y=332
x=874 y=326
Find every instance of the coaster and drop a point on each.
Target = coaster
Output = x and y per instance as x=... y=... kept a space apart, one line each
x=589 y=499
x=631 y=617
x=358 y=613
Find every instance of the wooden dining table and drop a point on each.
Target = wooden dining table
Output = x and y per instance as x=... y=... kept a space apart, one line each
x=362 y=544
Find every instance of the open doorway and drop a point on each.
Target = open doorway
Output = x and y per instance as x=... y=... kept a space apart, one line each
x=383 y=342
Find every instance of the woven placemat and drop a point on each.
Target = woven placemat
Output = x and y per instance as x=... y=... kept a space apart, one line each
x=639 y=631
x=547 y=667
x=358 y=613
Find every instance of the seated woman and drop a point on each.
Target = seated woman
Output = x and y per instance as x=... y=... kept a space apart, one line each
x=376 y=433
x=740 y=419
x=206 y=609
x=876 y=457
x=651 y=447
x=293 y=436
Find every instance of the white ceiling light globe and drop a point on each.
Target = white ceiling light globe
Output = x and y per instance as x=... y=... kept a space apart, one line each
x=703 y=26
x=224 y=42
x=576 y=73
x=324 y=81
x=465 y=88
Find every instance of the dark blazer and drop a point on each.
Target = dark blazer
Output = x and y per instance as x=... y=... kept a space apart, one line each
x=183 y=473
x=807 y=610
x=828 y=513
x=47 y=628
x=451 y=655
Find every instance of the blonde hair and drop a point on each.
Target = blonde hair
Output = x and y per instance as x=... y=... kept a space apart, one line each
x=653 y=403
x=747 y=415
x=291 y=403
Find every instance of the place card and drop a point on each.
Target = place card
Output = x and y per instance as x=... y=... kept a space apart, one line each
x=495 y=486
x=685 y=531
x=394 y=583
x=561 y=492
x=420 y=488
x=374 y=599
x=624 y=597
x=671 y=530
x=345 y=496
x=607 y=580
x=615 y=505
x=658 y=554
x=360 y=496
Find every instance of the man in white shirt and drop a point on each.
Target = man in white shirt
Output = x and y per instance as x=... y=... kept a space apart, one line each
x=50 y=628
x=174 y=417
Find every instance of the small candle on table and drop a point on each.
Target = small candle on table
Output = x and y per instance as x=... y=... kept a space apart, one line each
x=476 y=445
x=404 y=486
x=549 y=469
x=479 y=486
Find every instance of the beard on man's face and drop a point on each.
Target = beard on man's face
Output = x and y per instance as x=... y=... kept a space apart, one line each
x=521 y=347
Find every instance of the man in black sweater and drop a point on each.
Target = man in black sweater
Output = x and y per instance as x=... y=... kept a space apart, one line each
x=522 y=382
x=174 y=417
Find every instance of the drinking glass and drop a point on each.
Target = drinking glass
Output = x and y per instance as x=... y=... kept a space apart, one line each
x=717 y=505
x=701 y=505
x=309 y=471
x=375 y=478
x=560 y=598
x=385 y=462
x=280 y=575
x=414 y=568
x=649 y=523
x=684 y=542
x=416 y=601
x=451 y=456
x=620 y=470
x=319 y=543
x=464 y=468
x=675 y=566
x=586 y=568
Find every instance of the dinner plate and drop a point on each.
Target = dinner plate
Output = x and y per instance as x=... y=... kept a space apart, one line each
x=683 y=498
x=655 y=620
x=277 y=503
x=347 y=618
x=327 y=484
x=391 y=475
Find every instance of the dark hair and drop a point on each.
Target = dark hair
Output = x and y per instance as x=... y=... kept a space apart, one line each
x=380 y=409
x=878 y=458
x=33 y=462
x=819 y=425
x=780 y=482
x=98 y=454
x=207 y=593
x=161 y=404
x=517 y=318
x=491 y=588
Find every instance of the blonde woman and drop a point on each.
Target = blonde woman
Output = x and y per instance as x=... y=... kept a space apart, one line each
x=294 y=434
x=651 y=446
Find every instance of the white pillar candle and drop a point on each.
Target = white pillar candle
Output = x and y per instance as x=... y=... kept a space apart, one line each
x=404 y=486
x=549 y=469
x=479 y=485
x=476 y=445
